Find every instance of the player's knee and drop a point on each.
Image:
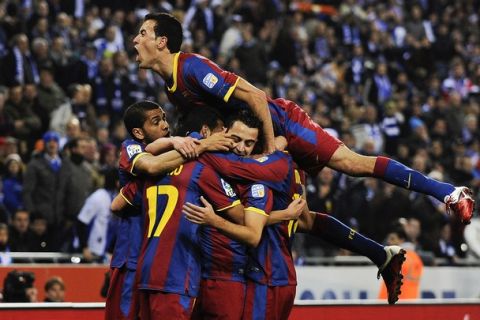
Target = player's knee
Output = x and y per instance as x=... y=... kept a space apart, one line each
x=355 y=166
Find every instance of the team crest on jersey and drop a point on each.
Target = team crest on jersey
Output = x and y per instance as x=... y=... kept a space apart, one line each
x=258 y=191
x=133 y=149
x=227 y=188
x=262 y=159
x=210 y=80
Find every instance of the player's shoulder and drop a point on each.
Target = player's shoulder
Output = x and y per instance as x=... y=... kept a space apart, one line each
x=131 y=147
x=195 y=60
x=128 y=142
x=275 y=156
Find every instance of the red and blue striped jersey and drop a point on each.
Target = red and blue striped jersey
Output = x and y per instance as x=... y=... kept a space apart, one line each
x=197 y=82
x=272 y=170
x=170 y=257
x=130 y=152
x=224 y=258
x=128 y=228
x=271 y=262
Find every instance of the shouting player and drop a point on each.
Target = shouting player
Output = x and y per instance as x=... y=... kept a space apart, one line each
x=193 y=81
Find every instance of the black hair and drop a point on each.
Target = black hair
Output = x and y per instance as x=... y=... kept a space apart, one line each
x=245 y=116
x=167 y=26
x=15 y=285
x=53 y=281
x=135 y=115
x=197 y=118
x=399 y=230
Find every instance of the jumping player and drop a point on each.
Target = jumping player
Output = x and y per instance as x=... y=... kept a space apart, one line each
x=192 y=81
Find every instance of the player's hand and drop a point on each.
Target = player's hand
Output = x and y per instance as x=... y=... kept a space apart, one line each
x=186 y=146
x=199 y=215
x=280 y=143
x=269 y=145
x=88 y=255
x=220 y=141
x=295 y=208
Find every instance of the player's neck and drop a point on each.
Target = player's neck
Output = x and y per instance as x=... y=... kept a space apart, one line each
x=164 y=67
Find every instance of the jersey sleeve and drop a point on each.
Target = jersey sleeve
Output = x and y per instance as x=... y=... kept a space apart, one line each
x=210 y=77
x=132 y=193
x=258 y=198
x=131 y=151
x=272 y=168
x=219 y=192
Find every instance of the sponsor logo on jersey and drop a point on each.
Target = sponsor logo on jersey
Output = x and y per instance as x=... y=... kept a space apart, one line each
x=227 y=188
x=262 y=159
x=210 y=80
x=258 y=191
x=133 y=149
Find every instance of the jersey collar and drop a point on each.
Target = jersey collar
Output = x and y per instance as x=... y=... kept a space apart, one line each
x=175 y=71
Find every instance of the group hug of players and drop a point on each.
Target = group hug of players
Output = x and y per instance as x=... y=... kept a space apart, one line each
x=215 y=233
x=206 y=221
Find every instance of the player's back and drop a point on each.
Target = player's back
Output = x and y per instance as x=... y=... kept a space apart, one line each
x=170 y=256
x=170 y=252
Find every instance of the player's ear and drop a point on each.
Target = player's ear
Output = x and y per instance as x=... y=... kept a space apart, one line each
x=161 y=42
x=138 y=133
x=205 y=131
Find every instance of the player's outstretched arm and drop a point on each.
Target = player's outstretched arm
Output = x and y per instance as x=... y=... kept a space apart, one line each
x=257 y=101
x=292 y=212
x=156 y=165
x=186 y=146
x=250 y=233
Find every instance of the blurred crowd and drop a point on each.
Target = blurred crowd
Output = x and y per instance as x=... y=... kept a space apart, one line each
x=394 y=77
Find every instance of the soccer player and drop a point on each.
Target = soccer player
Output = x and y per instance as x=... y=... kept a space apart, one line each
x=146 y=122
x=192 y=81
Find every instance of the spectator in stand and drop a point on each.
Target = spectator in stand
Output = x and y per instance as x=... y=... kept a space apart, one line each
x=50 y=95
x=5 y=258
x=7 y=125
x=18 y=67
x=42 y=240
x=109 y=45
x=46 y=175
x=20 y=235
x=445 y=247
x=77 y=189
x=108 y=157
x=109 y=91
x=54 y=290
x=18 y=287
x=13 y=183
x=26 y=122
x=96 y=213
x=412 y=268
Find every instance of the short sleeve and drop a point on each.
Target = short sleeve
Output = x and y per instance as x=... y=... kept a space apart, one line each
x=132 y=192
x=210 y=77
x=131 y=151
x=258 y=198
